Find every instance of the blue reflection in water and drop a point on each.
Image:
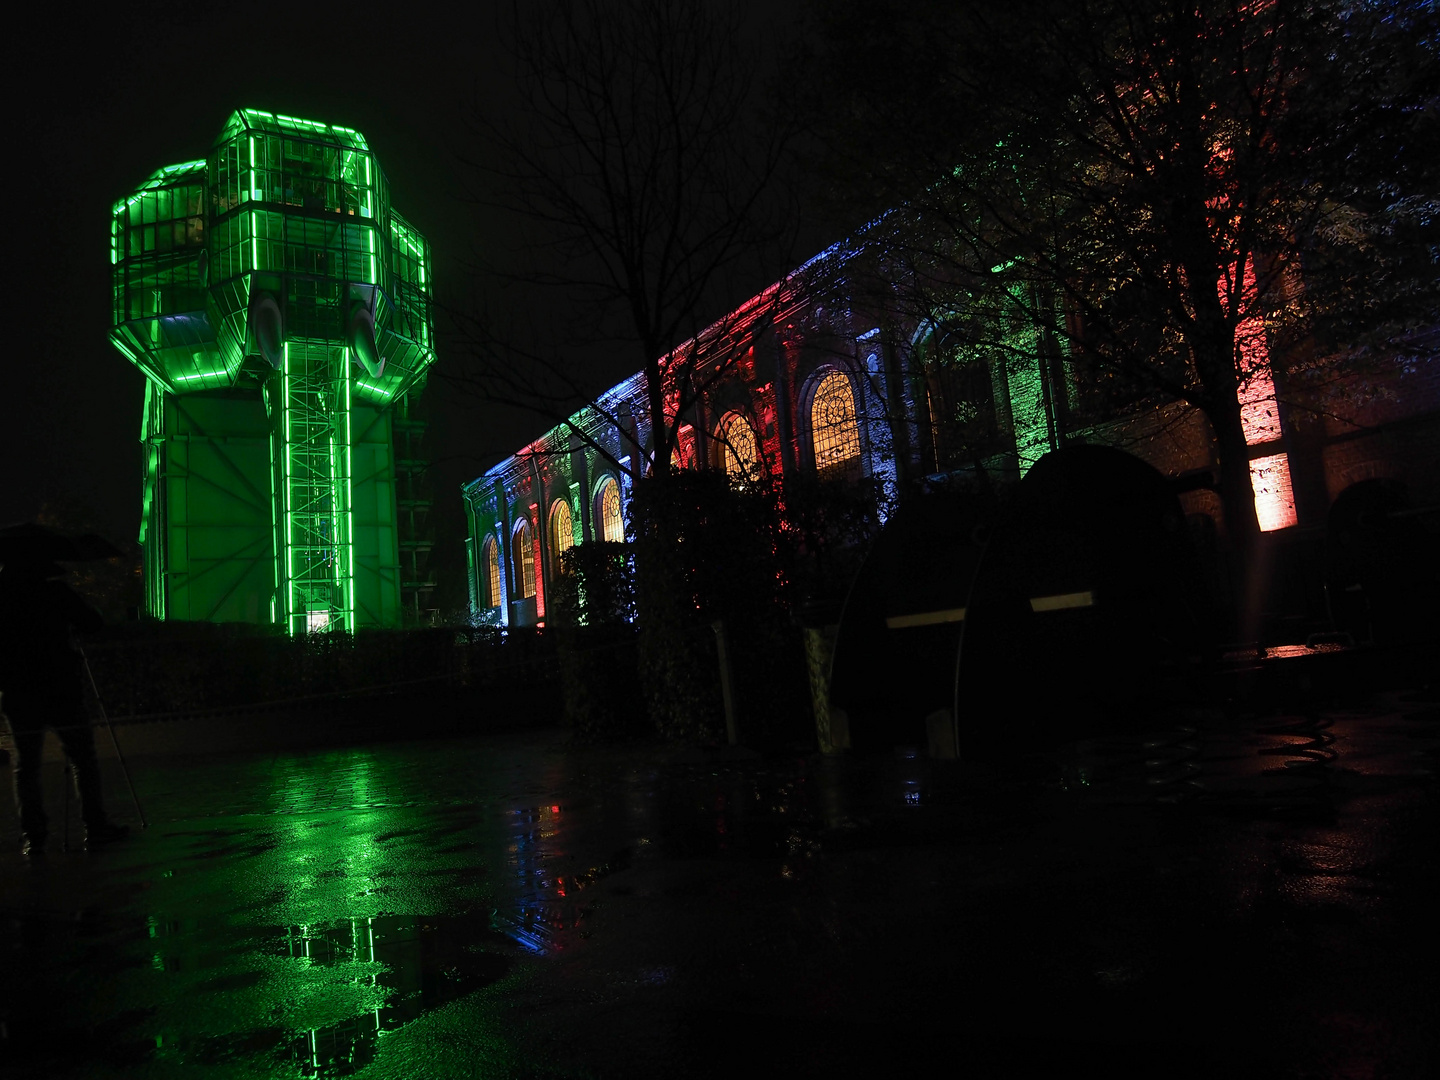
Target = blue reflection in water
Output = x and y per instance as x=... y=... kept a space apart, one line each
x=545 y=908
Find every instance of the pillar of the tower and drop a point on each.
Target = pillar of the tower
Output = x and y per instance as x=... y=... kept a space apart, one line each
x=312 y=434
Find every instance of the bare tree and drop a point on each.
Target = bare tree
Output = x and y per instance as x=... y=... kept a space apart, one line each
x=1152 y=188
x=643 y=170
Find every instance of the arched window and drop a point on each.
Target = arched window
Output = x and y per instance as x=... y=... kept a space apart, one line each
x=490 y=557
x=834 y=434
x=959 y=403
x=739 y=451
x=612 y=526
x=523 y=549
x=562 y=530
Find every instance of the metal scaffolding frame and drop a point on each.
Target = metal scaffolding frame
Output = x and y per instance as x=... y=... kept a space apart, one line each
x=315 y=488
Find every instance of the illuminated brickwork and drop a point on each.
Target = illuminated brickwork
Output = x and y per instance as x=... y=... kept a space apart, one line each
x=815 y=390
x=1274 y=498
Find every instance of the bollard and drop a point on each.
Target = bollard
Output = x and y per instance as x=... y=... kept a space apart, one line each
x=940 y=735
x=727 y=691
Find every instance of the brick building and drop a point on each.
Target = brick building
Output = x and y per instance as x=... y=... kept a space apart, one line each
x=814 y=376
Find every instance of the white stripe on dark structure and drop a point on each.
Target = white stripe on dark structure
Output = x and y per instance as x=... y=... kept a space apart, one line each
x=926 y=618
x=1062 y=601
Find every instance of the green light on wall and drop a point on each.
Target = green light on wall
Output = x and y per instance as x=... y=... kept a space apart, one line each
x=380 y=391
x=1027 y=410
x=285 y=501
x=204 y=376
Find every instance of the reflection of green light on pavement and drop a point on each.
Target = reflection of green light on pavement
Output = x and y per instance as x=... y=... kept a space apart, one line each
x=352 y=983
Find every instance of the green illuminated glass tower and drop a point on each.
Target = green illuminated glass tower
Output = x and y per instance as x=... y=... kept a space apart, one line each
x=280 y=310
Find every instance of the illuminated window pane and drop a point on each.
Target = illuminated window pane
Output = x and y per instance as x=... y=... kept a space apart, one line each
x=739 y=452
x=562 y=530
x=833 y=430
x=1274 y=500
x=612 y=527
x=525 y=561
x=492 y=572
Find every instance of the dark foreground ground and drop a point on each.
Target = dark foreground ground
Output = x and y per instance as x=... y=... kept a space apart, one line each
x=1257 y=898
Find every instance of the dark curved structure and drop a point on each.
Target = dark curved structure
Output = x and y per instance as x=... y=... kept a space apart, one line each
x=894 y=661
x=1380 y=580
x=1088 y=601
x=1060 y=611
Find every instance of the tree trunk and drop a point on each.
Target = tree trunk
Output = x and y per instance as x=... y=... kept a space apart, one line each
x=659 y=423
x=1212 y=342
x=1237 y=495
x=899 y=420
x=1242 y=527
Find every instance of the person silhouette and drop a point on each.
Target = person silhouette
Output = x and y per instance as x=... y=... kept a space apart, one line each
x=41 y=685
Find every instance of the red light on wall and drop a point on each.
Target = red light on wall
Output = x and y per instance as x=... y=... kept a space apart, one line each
x=539 y=576
x=1258 y=414
x=1274 y=499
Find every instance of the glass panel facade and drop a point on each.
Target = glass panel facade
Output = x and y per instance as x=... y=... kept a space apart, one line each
x=276 y=268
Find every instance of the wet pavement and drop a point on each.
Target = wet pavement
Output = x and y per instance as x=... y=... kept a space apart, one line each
x=1222 y=897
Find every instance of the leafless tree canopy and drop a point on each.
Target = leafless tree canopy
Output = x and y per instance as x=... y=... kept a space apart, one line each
x=642 y=170
x=1144 y=181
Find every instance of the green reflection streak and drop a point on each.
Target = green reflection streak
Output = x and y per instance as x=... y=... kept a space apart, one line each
x=255 y=984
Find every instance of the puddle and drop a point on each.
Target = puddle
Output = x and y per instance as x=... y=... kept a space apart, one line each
x=424 y=963
x=382 y=972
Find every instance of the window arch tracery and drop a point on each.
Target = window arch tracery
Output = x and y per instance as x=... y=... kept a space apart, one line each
x=739 y=449
x=562 y=530
x=611 y=524
x=490 y=562
x=834 y=429
x=523 y=547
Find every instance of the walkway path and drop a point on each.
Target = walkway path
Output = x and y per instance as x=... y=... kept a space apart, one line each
x=1255 y=899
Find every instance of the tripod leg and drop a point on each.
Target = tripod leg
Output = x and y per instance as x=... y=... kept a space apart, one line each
x=66 y=777
x=124 y=769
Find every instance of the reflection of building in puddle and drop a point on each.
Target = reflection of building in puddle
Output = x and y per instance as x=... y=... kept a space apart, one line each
x=911 y=775
x=545 y=906
x=418 y=964
x=537 y=910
